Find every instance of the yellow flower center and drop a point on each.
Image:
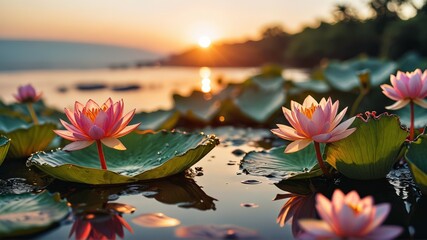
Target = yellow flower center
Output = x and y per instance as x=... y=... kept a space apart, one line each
x=357 y=208
x=92 y=113
x=308 y=112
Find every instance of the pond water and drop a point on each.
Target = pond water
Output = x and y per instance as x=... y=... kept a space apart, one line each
x=215 y=193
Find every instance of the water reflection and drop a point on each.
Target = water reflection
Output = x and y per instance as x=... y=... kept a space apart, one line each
x=300 y=203
x=205 y=74
x=99 y=225
x=155 y=220
x=178 y=190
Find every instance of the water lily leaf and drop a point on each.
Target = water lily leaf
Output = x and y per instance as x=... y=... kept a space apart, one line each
x=268 y=83
x=27 y=213
x=417 y=162
x=411 y=61
x=277 y=164
x=4 y=147
x=148 y=156
x=157 y=120
x=369 y=152
x=312 y=85
x=344 y=75
x=26 y=138
x=197 y=106
x=420 y=114
x=259 y=105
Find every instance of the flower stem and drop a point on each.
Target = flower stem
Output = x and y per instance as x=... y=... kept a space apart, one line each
x=32 y=113
x=320 y=159
x=411 y=130
x=357 y=103
x=101 y=155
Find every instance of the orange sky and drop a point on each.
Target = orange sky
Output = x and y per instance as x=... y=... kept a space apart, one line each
x=164 y=26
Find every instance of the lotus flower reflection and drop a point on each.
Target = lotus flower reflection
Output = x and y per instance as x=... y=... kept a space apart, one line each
x=409 y=87
x=92 y=123
x=313 y=121
x=28 y=95
x=349 y=217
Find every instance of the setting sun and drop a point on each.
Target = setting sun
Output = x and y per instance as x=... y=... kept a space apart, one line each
x=204 y=42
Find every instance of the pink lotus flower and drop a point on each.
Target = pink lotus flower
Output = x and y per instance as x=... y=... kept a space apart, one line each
x=349 y=217
x=93 y=123
x=27 y=94
x=407 y=87
x=313 y=122
x=410 y=87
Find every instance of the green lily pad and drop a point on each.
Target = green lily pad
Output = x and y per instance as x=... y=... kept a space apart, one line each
x=277 y=164
x=268 y=83
x=369 y=152
x=312 y=85
x=198 y=106
x=259 y=105
x=344 y=76
x=148 y=156
x=420 y=114
x=26 y=138
x=157 y=120
x=27 y=213
x=411 y=61
x=4 y=147
x=417 y=162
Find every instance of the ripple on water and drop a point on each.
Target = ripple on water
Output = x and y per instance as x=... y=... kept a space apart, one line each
x=251 y=181
x=16 y=186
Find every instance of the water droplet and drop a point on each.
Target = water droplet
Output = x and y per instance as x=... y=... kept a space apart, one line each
x=251 y=181
x=249 y=205
x=149 y=194
x=238 y=152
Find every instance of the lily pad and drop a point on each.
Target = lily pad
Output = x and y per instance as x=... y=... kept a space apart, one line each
x=268 y=83
x=344 y=76
x=420 y=114
x=417 y=162
x=198 y=106
x=4 y=147
x=28 y=213
x=148 y=156
x=259 y=105
x=26 y=138
x=369 y=152
x=157 y=120
x=411 y=61
x=277 y=164
x=316 y=86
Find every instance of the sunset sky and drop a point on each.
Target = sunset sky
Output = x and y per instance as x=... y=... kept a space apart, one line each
x=164 y=26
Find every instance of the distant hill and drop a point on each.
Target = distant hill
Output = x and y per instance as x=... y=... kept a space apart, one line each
x=29 y=54
x=246 y=54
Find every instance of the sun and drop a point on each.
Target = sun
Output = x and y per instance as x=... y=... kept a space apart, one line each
x=204 y=42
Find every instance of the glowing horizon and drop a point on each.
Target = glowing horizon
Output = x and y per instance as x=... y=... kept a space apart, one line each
x=162 y=26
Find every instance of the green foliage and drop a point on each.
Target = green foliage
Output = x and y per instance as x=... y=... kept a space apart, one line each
x=369 y=152
x=28 y=213
x=275 y=163
x=4 y=147
x=415 y=156
x=26 y=138
x=148 y=156
x=158 y=120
